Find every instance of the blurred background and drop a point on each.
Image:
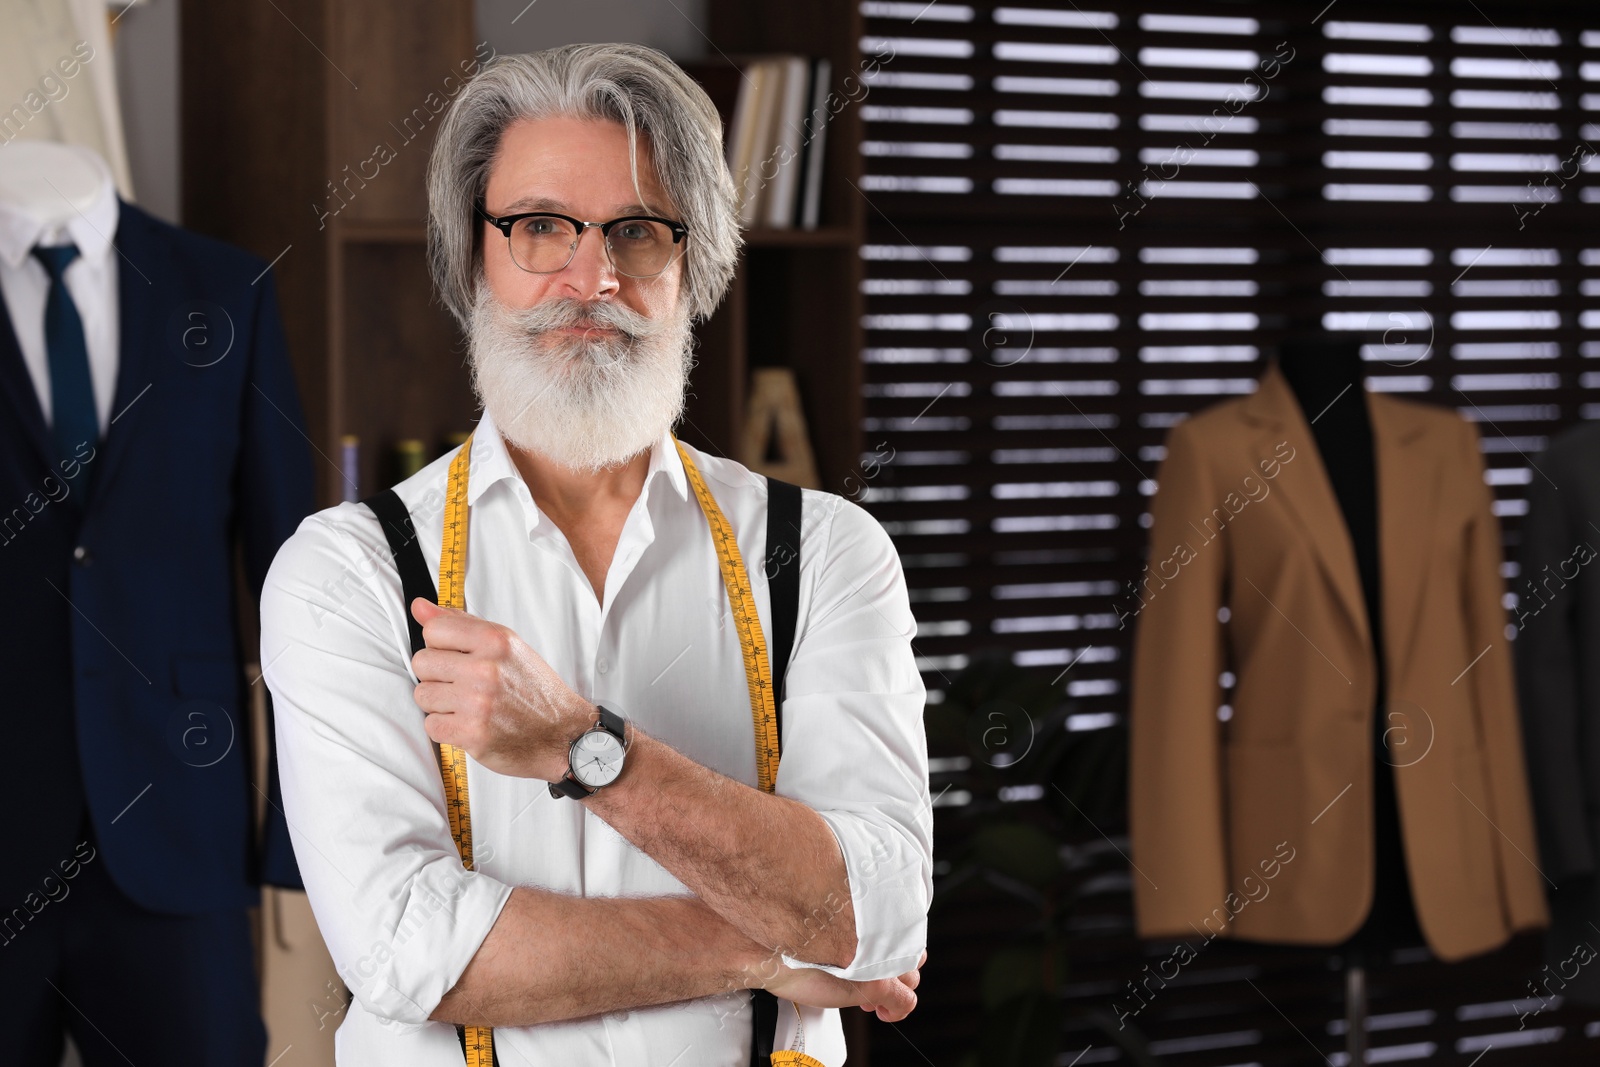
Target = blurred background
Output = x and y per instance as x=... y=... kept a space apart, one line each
x=1035 y=237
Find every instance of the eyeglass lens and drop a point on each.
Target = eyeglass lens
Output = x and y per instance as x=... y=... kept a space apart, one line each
x=638 y=248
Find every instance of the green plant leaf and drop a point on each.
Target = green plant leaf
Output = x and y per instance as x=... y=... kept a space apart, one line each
x=1018 y=851
x=1012 y=972
x=1022 y=1032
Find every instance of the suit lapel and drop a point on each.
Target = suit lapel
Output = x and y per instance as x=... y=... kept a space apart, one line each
x=1408 y=490
x=17 y=386
x=139 y=292
x=1305 y=488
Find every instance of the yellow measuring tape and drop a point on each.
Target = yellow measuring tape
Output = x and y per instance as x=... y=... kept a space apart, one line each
x=752 y=644
x=479 y=1040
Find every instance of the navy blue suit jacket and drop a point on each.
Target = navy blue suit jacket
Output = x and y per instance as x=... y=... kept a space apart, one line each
x=123 y=665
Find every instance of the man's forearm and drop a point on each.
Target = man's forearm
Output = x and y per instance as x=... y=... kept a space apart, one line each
x=767 y=864
x=550 y=956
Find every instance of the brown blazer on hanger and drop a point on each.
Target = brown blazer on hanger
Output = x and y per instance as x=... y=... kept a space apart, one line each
x=1260 y=827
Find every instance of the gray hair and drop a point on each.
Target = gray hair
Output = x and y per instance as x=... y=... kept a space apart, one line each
x=638 y=87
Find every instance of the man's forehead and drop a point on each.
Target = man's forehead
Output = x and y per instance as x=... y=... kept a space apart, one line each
x=547 y=203
x=554 y=162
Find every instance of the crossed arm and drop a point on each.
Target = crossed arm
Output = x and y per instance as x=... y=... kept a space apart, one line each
x=551 y=957
x=768 y=880
x=765 y=874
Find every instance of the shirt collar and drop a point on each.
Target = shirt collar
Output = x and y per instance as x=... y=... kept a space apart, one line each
x=91 y=229
x=491 y=463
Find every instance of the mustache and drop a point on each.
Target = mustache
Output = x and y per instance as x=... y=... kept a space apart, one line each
x=558 y=314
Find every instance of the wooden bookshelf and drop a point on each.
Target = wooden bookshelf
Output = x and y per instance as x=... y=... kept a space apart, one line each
x=822 y=237
x=797 y=300
x=279 y=102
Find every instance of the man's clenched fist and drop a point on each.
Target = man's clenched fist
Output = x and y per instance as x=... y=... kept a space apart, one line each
x=485 y=691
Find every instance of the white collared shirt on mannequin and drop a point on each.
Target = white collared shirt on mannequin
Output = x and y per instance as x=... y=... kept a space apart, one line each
x=361 y=788
x=91 y=280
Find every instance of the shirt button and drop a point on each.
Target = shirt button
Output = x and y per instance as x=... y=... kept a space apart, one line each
x=602 y=666
x=81 y=555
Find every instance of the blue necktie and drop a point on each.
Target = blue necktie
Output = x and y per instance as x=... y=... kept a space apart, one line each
x=73 y=417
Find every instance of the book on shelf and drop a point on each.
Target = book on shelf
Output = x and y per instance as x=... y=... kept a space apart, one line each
x=782 y=186
x=775 y=118
x=816 y=119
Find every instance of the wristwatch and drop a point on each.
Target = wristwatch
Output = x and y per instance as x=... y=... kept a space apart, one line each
x=595 y=757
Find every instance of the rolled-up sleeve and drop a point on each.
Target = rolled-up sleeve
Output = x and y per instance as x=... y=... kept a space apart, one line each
x=854 y=747
x=361 y=790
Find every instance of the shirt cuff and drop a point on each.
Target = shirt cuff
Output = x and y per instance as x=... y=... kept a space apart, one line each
x=890 y=890
x=447 y=912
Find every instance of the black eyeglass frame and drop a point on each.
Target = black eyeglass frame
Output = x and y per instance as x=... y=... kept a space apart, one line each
x=503 y=223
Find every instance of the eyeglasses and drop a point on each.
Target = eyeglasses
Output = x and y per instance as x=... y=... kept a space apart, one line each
x=543 y=242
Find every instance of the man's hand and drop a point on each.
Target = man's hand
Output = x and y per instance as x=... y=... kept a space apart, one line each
x=485 y=691
x=891 y=998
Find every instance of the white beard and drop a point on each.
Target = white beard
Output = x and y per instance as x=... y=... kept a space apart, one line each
x=584 y=401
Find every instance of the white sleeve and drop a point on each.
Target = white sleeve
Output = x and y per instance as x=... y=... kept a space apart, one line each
x=854 y=747
x=361 y=786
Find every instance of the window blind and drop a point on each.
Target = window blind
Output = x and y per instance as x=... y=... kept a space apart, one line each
x=1087 y=223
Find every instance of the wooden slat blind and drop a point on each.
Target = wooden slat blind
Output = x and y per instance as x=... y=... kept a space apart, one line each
x=1088 y=221
x=1078 y=237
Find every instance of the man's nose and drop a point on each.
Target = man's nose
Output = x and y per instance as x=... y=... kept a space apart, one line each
x=590 y=273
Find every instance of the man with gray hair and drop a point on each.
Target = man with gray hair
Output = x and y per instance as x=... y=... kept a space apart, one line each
x=638 y=857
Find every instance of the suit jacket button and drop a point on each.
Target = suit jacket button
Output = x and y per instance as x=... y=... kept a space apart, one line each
x=81 y=556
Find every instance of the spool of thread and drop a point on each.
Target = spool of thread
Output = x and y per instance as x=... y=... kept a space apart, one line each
x=410 y=457
x=350 y=467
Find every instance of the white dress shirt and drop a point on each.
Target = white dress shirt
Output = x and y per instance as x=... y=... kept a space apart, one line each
x=361 y=787
x=91 y=280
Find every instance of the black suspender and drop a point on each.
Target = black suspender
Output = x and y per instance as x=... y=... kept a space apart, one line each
x=415 y=581
x=782 y=568
x=415 y=578
x=783 y=580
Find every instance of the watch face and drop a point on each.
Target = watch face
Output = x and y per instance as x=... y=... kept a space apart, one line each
x=596 y=758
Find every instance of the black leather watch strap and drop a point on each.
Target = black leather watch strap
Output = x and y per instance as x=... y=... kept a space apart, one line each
x=614 y=724
x=569 y=786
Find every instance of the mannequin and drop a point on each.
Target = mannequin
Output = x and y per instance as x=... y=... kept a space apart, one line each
x=60 y=194
x=1341 y=591
x=1558 y=673
x=1253 y=572
x=50 y=182
x=130 y=642
x=1325 y=374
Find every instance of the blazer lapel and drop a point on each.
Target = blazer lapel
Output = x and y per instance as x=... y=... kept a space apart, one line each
x=1305 y=487
x=139 y=292
x=1408 y=488
x=16 y=384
